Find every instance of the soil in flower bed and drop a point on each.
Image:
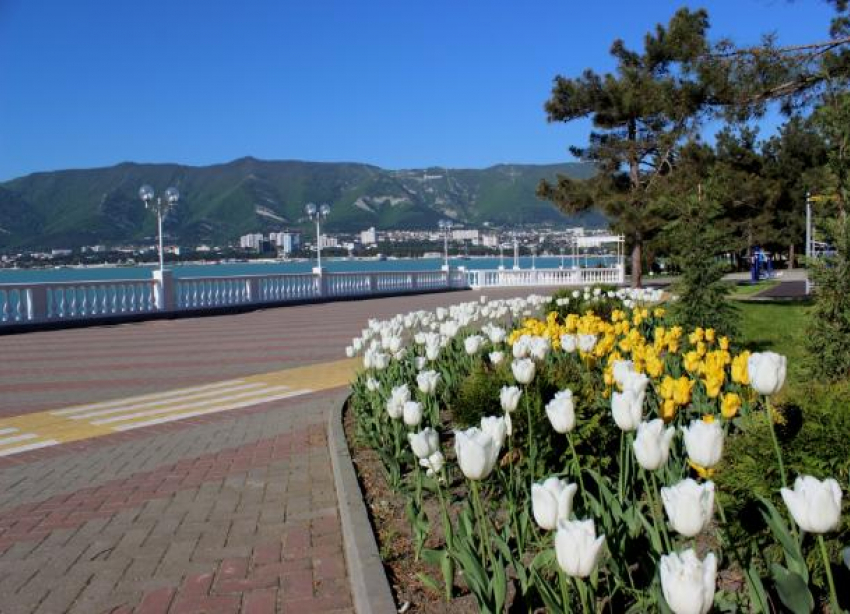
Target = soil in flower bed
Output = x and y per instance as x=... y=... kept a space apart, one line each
x=392 y=532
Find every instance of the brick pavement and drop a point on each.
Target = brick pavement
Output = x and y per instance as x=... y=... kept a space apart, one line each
x=227 y=512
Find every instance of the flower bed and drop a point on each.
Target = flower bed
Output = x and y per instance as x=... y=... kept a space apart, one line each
x=564 y=448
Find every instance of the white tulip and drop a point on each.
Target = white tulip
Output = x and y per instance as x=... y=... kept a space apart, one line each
x=569 y=343
x=689 y=506
x=577 y=548
x=372 y=384
x=509 y=397
x=523 y=370
x=652 y=444
x=621 y=369
x=433 y=463
x=636 y=382
x=424 y=443
x=551 y=501
x=496 y=334
x=767 y=372
x=495 y=427
x=412 y=413
x=349 y=351
x=421 y=362
x=427 y=381
x=586 y=343
x=496 y=357
x=476 y=453
x=395 y=408
x=473 y=344
x=538 y=348
x=704 y=442
x=357 y=344
x=380 y=361
x=522 y=347
x=627 y=408
x=688 y=583
x=395 y=344
x=814 y=504
x=561 y=412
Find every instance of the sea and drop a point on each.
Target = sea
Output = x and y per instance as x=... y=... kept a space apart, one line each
x=227 y=269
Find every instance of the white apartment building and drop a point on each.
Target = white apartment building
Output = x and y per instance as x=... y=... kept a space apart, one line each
x=490 y=240
x=466 y=234
x=328 y=241
x=369 y=237
x=251 y=241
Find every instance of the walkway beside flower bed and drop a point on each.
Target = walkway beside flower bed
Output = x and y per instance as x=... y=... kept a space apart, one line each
x=225 y=511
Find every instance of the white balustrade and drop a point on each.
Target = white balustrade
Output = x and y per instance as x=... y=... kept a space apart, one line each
x=65 y=301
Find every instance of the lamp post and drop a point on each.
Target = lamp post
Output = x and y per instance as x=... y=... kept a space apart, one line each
x=534 y=257
x=318 y=213
x=516 y=253
x=160 y=204
x=501 y=256
x=445 y=226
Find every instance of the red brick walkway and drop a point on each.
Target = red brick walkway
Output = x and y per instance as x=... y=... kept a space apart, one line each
x=229 y=512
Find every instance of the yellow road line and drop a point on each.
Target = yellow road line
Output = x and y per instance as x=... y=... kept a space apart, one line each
x=41 y=429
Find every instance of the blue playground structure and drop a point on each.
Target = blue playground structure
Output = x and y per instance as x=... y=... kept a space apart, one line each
x=761 y=266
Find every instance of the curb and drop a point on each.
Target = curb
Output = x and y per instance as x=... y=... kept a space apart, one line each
x=370 y=590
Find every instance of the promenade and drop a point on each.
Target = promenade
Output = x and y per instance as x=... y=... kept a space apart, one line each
x=179 y=465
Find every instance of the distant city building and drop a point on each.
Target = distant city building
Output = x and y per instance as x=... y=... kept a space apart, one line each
x=490 y=240
x=286 y=242
x=328 y=241
x=466 y=234
x=59 y=253
x=93 y=248
x=251 y=241
x=203 y=248
x=369 y=237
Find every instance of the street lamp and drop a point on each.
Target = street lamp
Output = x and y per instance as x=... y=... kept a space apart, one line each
x=445 y=226
x=516 y=253
x=501 y=256
x=160 y=204
x=318 y=214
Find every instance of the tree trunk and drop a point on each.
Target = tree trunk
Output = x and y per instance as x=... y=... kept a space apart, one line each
x=791 y=256
x=636 y=264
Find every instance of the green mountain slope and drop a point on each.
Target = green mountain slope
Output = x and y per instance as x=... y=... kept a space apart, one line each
x=220 y=202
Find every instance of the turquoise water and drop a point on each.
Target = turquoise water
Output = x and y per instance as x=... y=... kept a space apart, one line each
x=266 y=268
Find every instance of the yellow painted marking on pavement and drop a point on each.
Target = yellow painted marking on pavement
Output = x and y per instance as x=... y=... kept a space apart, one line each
x=41 y=429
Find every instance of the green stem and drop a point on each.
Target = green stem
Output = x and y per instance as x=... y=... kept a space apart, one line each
x=532 y=444
x=482 y=521
x=565 y=593
x=775 y=442
x=576 y=463
x=833 y=595
x=657 y=493
x=650 y=493
x=583 y=595
x=620 y=484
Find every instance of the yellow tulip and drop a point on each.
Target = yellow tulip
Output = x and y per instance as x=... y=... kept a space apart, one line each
x=730 y=405
x=668 y=410
x=740 y=370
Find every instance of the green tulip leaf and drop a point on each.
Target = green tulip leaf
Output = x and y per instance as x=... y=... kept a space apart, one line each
x=429 y=581
x=793 y=554
x=793 y=590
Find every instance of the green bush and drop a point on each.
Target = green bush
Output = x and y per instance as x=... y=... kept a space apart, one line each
x=828 y=338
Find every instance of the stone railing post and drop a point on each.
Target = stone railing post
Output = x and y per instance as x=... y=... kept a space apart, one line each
x=165 y=295
x=252 y=290
x=37 y=304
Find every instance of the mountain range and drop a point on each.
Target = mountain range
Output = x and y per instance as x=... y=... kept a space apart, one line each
x=218 y=203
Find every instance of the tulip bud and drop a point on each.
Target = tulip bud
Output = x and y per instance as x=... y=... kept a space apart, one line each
x=689 y=506
x=433 y=463
x=569 y=343
x=652 y=444
x=476 y=453
x=349 y=351
x=561 y=412
x=372 y=384
x=627 y=408
x=538 y=348
x=551 y=501
x=577 y=548
x=424 y=443
x=523 y=370
x=522 y=347
x=704 y=442
x=427 y=381
x=586 y=343
x=767 y=372
x=814 y=504
x=509 y=397
x=496 y=357
x=687 y=583
x=495 y=427
x=412 y=412
x=472 y=344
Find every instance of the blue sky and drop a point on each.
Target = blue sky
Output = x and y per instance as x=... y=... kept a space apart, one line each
x=397 y=83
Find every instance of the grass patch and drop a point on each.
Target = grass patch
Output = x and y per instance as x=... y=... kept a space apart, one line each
x=776 y=327
x=749 y=289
